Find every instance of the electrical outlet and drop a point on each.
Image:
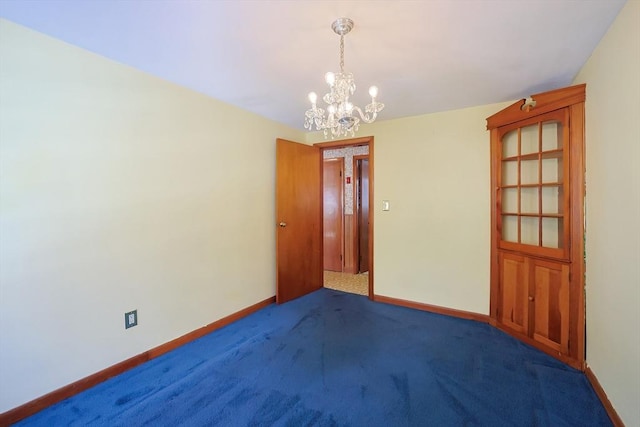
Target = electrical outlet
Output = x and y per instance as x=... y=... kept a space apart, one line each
x=130 y=319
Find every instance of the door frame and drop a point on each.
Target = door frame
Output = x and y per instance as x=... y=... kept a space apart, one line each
x=357 y=181
x=365 y=140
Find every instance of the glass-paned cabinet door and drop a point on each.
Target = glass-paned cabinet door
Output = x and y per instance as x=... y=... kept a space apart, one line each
x=532 y=201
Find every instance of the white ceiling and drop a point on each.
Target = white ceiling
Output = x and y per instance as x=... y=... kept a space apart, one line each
x=266 y=56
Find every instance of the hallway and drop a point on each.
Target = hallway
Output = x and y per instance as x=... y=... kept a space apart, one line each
x=352 y=283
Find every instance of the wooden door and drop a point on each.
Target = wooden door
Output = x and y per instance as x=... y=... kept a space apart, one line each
x=551 y=304
x=363 y=214
x=299 y=220
x=332 y=206
x=513 y=305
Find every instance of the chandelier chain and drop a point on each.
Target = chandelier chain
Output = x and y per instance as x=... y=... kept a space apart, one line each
x=342 y=54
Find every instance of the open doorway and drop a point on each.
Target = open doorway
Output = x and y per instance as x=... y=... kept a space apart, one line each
x=347 y=222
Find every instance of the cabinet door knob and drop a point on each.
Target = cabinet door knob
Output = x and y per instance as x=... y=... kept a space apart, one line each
x=531 y=299
x=283 y=224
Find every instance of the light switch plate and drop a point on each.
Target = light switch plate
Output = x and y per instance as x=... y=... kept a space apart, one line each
x=130 y=319
x=386 y=205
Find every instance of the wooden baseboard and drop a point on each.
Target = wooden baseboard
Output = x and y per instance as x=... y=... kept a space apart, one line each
x=574 y=363
x=23 y=411
x=613 y=415
x=469 y=315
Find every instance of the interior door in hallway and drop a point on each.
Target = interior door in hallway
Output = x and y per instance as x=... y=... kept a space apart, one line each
x=333 y=196
x=299 y=220
x=362 y=205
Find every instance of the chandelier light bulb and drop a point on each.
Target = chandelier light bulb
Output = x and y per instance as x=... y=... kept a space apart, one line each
x=331 y=109
x=313 y=97
x=373 y=91
x=330 y=78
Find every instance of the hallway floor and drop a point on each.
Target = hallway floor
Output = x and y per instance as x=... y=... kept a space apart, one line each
x=345 y=282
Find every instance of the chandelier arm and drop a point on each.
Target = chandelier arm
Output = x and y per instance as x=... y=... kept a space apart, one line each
x=366 y=117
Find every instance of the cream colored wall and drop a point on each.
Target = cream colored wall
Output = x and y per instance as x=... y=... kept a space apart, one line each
x=120 y=191
x=612 y=75
x=432 y=246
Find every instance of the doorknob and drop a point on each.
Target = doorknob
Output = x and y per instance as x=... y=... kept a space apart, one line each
x=283 y=224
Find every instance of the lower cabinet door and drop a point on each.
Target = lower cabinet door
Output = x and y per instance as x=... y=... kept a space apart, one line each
x=551 y=304
x=534 y=299
x=513 y=296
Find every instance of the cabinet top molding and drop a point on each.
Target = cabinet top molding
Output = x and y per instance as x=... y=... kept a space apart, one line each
x=540 y=103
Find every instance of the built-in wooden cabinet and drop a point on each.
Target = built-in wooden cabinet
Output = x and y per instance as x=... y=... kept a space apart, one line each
x=537 y=254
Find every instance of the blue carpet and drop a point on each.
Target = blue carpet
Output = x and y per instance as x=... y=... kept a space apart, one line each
x=336 y=359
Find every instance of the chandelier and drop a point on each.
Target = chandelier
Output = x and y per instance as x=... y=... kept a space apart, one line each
x=340 y=118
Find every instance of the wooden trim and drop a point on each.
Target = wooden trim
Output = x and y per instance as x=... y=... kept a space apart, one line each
x=560 y=254
x=355 y=223
x=494 y=269
x=200 y=332
x=577 y=193
x=557 y=115
x=613 y=415
x=371 y=214
x=25 y=410
x=545 y=102
x=365 y=140
x=469 y=315
x=356 y=218
x=577 y=364
x=320 y=221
